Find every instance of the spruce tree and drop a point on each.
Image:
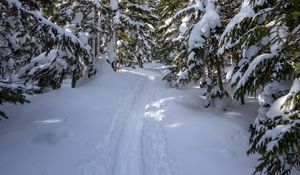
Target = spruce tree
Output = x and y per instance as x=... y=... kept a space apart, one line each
x=197 y=58
x=176 y=32
x=10 y=93
x=36 y=52
x=68 y=55
x=169 y=44
x=262 y=37
x=82 y=18
x=132 y=32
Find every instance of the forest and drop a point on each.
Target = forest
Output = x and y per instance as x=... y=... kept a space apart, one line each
x=231 y=50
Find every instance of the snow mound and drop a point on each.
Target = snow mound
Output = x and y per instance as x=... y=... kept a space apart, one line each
x=57 y=135
x=224 y=103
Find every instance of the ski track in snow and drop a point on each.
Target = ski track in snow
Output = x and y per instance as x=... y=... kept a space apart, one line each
x=135 y=142
x=126 y=123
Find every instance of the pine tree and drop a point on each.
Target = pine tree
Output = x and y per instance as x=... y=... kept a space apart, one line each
x=37 y=52
x=197 y=57
x=176 y=31
x=169 y=43
x=82 y=18
x=10 y=94
x=263 y=38
x=132 y=32
x=71 y=55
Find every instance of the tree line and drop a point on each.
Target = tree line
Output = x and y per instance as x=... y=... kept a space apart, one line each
x=233 y=48
x=239 y=48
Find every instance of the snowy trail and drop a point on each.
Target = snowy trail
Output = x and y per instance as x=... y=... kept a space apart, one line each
x=135 y=143
x=125 y=123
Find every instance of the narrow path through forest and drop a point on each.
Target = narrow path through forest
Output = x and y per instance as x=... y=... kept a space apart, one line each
x=125 y=123
x=135 y=142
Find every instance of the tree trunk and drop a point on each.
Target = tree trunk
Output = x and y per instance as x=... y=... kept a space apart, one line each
x=242 y=100
x=140 y=62
x=219 y=77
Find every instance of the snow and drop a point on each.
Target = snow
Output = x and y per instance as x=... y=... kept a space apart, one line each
x=197 y=6
x=296 y=29
x=202 y=29
x=270 y=93
x=273 y=136
x=198 y=35
x=245 y=12
x=140 y=7
x=296 y=86
x=130 y=122
x=260 y=2
x=111 y=48
x=77 y=19
x=251 y=69
x=191 y=56
x=14 y=2
x=276 y=108
x=277 y=37
x=265 y=40
x=123 y=18
x=83 y=37
x=60 y=33
x=96 y=2
x=250 y=52
x=184 y=25
x=224 y=103
x=125 y=123
x=114 y=4
x=53 y=59
x=229 y=72
x=57 y=135
x=201 y=140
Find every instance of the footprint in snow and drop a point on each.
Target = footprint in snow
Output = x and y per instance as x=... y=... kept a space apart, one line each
x=52 y=136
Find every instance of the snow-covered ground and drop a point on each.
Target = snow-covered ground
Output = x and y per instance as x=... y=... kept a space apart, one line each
x=125 y=123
